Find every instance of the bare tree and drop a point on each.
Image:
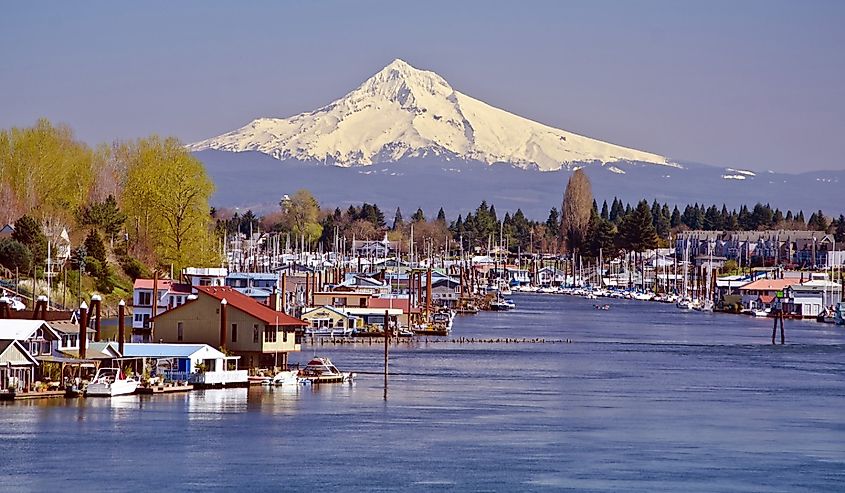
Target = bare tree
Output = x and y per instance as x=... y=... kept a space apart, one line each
x=576 y=210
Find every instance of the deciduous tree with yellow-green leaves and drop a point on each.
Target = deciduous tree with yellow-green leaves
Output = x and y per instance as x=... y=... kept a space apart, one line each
x=165 y=198
x=44 y=170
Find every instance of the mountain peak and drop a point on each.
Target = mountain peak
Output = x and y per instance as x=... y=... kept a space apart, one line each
x=402 y=111
x=404 y=84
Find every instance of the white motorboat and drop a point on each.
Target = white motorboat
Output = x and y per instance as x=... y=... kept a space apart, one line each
x=685 y=304
x=111 y=382
x=761 y=312
x=501 y=305
x=322 y=370
x=286 y=377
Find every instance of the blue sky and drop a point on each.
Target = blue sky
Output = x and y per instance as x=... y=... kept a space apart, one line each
x=753 y=84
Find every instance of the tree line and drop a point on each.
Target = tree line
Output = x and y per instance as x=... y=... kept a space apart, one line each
x=147 y=199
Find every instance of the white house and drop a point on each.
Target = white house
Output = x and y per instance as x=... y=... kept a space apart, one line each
x=199 y=364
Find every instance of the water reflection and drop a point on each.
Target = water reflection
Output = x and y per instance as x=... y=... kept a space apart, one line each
x=644 y=399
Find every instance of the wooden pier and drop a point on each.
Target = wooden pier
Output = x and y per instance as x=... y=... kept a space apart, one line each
x=164 y=389
x=21 y=396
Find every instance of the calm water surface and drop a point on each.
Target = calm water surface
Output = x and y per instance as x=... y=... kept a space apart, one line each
x=644 y=398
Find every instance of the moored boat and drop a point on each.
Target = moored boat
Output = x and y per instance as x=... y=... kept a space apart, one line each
x=502 y=305
x=111 y=382
x=322 y=370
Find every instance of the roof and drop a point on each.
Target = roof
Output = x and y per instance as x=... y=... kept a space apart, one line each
x=354 y=310
x=254 y=275
x=163 y=285
x=155 y=350
x=329 y=308
x=67 y=327
x=766 y=298
x=255 y=292
x=148 y=283
x=20 y=329
x=13 y=347
x=769 y=284
x=248 y=305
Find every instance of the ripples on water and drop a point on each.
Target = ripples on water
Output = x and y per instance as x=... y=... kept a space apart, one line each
x=644 y=398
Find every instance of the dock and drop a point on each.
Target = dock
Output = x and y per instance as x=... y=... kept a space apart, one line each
x=21 y=396
x=164 y=389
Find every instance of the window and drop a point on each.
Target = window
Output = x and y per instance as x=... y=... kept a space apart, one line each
x=255 y=336
x=145 y=298
x=336 y=301
x=284 y=335
x=180 y=331
x=234 y=332
x=269 y=334
x=363 y=302
x=138 y=317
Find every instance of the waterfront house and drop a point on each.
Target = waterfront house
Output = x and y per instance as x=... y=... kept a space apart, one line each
x=752 y=291
x=363 y=284
x=549 y=276
x=374 y=248
x=516 y=276
x=811 y=298
x=69 y=334
x=261 y=335
x=340 y=299
x=445 y=291
x=168 y=295
x=17 y=367
x=36 y=336
x=406 y=315
x=331 y=318
x=205 y=276
x=198 y=364
x=266 y=280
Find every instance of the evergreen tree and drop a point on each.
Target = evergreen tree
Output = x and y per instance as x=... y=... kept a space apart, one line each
x=418 y=216
x=441 y=216
x=14 y=255
x=617 y=210
x=675 y=221
x=839 y=233
x=602 y=239
x=94 y=246
x=604 y=211
x=553 y=222
x=398 y=222
x=29 y=232
x=637 y=229
x=105 y=215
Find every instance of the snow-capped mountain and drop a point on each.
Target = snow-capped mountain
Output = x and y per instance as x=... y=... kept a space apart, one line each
x=402 y=112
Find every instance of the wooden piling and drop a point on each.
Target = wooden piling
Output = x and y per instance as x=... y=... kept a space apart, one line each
x=223 y=304
x=121 y=326
x=83 y=330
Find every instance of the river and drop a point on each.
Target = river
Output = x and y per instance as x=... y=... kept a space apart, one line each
x=642 y=397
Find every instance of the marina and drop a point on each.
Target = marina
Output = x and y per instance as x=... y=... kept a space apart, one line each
x=689 y=397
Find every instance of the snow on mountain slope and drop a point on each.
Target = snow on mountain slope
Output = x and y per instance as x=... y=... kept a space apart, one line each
x=405 y=112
